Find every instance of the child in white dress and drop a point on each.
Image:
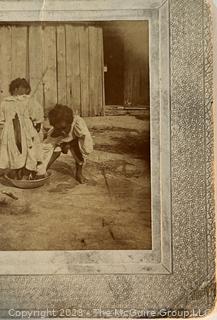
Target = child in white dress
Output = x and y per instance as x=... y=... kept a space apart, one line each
x=22 y=116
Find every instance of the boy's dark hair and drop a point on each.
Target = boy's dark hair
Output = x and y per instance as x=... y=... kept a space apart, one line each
x=17 y=83
x=60 y=113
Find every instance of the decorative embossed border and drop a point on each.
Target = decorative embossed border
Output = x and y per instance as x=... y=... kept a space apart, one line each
x=190 y=285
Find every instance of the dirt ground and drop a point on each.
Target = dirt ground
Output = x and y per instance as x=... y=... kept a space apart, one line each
x=112 y=211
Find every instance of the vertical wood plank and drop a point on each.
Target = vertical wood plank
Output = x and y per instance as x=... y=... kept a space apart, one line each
x=61 y=65
x=96 y=71
x=19 y=52
x=101 y=110
x=5 y=60
x=145 y=83
x=36 y=62
x=69 y=68
x=94 y=62
x=84 y=69
x=49 y=67
x=73 y=76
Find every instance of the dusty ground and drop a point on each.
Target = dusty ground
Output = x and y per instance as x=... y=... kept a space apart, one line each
x=111 y=211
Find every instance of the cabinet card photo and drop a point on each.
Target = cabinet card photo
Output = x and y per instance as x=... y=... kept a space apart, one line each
x=106 y=159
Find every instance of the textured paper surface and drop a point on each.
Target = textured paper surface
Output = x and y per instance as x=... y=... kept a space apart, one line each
x=191 y=284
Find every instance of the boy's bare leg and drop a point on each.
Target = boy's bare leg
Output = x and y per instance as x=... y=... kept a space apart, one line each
x=76 y=153
x=78 y=174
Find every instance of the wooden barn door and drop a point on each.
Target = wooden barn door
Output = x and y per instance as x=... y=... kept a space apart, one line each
x=64 y=64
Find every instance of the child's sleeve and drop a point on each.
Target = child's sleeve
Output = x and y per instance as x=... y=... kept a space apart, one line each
x=81 y=131
x=80 y=128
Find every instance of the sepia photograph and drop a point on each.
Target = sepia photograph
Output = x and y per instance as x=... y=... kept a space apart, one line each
x=75 y=136
x=107 y=205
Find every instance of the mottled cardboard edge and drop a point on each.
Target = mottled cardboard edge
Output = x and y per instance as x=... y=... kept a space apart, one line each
x=210 y=164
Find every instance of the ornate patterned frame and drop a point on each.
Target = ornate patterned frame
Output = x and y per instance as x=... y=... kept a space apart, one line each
x=187 y=282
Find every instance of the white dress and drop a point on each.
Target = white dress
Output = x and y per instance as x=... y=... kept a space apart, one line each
x=10 y=156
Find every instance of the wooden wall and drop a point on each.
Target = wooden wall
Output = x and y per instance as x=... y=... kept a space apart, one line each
x=68 y=58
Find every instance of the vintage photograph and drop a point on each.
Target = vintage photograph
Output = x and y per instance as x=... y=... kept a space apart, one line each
x=107 y=190
x=75 y=136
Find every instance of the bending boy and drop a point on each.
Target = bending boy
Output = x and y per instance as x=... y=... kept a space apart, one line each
x=69 y=133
